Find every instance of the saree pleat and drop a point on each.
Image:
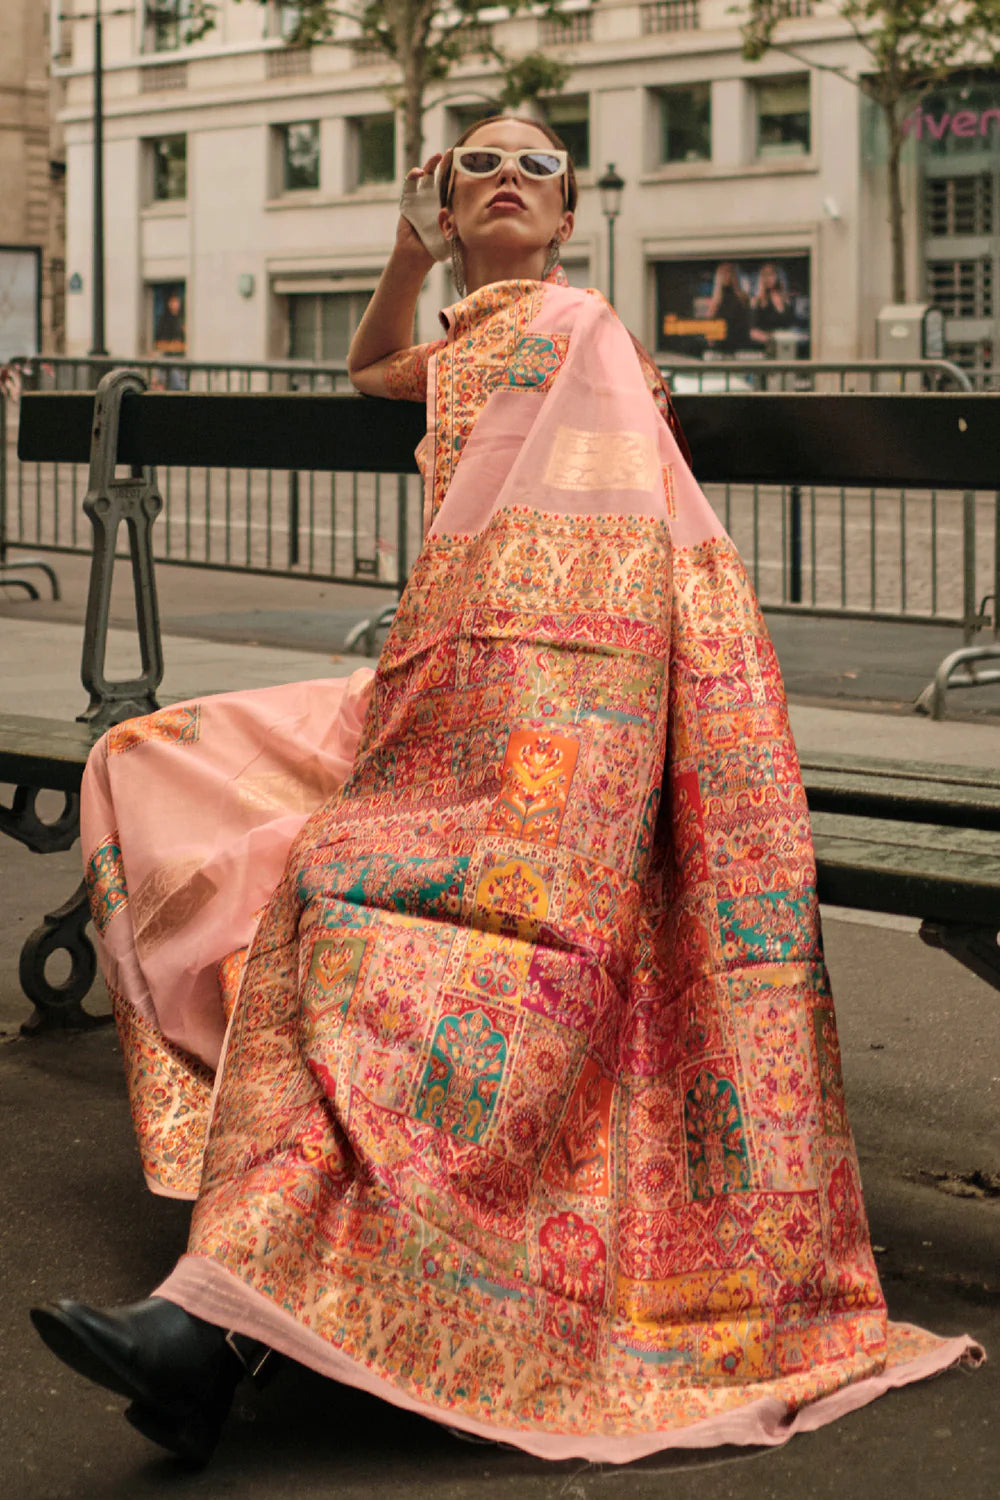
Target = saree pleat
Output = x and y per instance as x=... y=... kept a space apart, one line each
x=530 y=1114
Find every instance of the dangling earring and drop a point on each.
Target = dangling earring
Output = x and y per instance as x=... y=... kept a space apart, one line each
x=457 y=266
x=551 y=259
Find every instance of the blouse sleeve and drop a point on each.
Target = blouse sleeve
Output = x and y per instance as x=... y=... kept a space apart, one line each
x=406 y=371
x=660 y=392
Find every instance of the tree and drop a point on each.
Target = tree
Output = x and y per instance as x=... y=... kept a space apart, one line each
x=423 y=38
x=911 y=46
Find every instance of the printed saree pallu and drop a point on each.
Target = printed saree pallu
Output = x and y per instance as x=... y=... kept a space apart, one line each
x=530 y=1114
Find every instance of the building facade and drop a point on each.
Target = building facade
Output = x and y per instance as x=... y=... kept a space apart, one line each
x=251 y=189
x=32 y=201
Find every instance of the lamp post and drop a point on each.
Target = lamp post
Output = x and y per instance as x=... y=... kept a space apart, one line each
x=97 y=272
x=611 y=186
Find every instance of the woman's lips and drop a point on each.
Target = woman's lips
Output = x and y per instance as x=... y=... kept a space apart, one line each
x=506 y=201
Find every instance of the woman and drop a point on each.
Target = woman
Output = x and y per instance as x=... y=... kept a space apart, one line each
x=530 y=1115
x=729 y=302
x=770 y=307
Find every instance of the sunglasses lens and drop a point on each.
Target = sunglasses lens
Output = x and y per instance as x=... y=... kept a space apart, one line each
x=480 y=163
x=539 y=163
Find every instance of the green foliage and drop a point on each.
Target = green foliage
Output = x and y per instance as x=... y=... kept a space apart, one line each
x=911 y=44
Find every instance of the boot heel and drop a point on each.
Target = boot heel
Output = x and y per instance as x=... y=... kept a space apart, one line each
x=188 y=1433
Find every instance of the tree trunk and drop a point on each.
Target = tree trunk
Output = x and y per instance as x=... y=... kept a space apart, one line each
x=414 y=82
x=896 y=220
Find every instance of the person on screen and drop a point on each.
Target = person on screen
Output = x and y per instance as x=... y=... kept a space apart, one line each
x=729 y=302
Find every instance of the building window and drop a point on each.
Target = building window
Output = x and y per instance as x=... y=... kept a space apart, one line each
x=569 y=117
x=169 y=155
x=283 y=19
x=169 y=321
x=962 y=288
x=166 y=24
x=959 y=205
x=686 y=124
x=783 y=121
x=374 y=146
x=299 y=156
x=322 y=324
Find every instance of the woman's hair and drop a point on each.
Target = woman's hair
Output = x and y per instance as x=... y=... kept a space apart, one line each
x=446 y=177
x=779 y=283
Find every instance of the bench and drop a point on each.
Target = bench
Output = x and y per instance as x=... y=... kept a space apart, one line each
x=910 y=840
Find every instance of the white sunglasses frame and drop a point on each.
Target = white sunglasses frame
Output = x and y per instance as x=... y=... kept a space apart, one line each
x=506 y=156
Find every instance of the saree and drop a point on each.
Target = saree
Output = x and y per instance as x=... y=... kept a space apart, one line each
x=529 y=1115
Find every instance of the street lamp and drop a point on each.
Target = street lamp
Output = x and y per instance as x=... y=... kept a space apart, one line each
x=97 y=271
x=611 y=186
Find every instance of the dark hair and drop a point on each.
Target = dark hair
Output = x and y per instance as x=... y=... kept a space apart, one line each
x=446 y=177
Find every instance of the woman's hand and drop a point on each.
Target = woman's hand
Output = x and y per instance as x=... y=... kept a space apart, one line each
x=421 y=202
x=387 y=325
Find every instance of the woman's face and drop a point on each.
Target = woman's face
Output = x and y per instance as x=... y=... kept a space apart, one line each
x=510 y=212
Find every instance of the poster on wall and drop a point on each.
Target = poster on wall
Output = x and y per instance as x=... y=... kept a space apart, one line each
x=733 y=307
x=20 y=301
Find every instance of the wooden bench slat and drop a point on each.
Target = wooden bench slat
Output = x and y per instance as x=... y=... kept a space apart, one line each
x=910 y=869
x=49 y=753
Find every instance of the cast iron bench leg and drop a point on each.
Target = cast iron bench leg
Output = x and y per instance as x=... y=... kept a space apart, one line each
x=57 y=1006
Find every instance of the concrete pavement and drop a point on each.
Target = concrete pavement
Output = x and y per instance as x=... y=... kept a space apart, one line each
x=922 y=1062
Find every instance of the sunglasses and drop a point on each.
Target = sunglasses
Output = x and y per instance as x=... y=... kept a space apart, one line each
x=482 y=161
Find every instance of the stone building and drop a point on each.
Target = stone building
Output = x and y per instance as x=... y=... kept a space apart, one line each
x=252 y=188
x=32 y=199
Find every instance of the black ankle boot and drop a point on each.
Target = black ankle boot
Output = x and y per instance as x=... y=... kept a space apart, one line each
x=178 y=1371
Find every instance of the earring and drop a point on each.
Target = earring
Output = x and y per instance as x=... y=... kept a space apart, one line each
x=551 y=259
x=457 y=266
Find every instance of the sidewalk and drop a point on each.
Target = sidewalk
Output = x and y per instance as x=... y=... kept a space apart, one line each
x=922 y=1063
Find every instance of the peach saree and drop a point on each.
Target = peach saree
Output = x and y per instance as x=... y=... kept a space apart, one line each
x=529 y=1115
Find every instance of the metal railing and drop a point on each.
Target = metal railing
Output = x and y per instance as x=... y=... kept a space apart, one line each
x=357 y=529
x=927 y=557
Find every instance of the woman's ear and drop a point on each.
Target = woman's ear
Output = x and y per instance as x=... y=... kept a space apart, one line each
x=565 y=227
x=446 y=223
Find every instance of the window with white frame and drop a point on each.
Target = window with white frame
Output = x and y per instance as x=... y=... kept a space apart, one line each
x=784 y=124
x=298 y=156
x=685 y=124
x=373 y=150
x=168 y=168
x=166 y=24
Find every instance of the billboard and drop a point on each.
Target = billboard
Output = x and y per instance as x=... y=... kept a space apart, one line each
x=20 y=301
x=732 y=307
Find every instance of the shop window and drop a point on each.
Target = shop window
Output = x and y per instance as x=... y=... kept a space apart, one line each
x=169 y=159
x=686 y=124
x=570 y=119
x=374 y=147
x=783 y=117
x=299 y=156
x=322 y=324
x=166 y=24
x=167 y=305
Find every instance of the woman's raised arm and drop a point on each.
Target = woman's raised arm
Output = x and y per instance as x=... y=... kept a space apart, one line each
x=387 y=325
